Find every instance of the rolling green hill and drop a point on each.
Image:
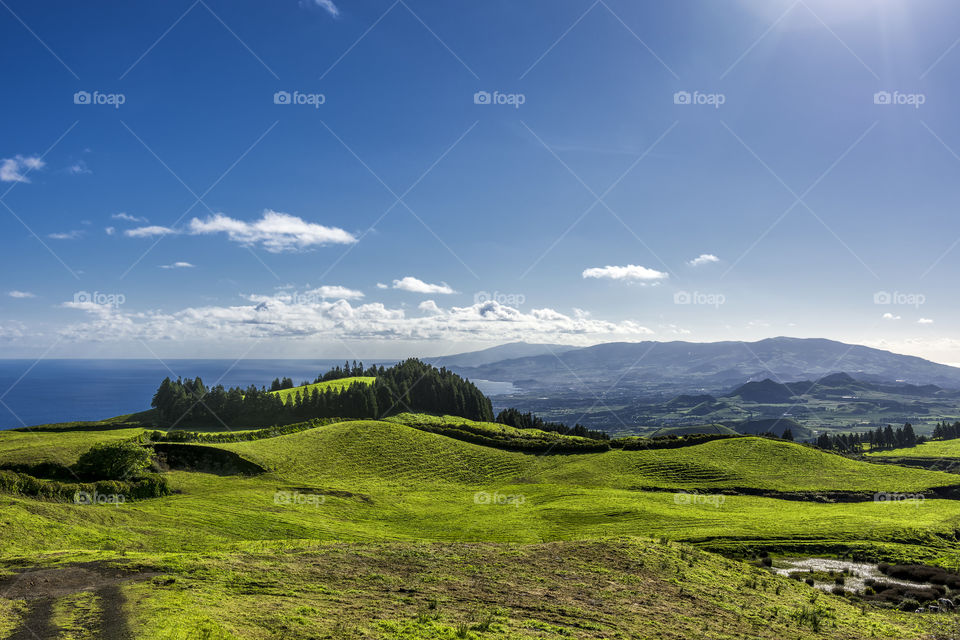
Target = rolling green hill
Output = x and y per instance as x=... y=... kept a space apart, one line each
x=294 y=550
x=335 y=385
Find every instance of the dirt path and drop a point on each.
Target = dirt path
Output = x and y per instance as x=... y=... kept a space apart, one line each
x=40 y=588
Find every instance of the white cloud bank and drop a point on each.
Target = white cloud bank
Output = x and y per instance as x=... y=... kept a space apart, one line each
x=20 y=294
x=305 y=316
x=178 y=265
x=702 y=259
x=15 y=169
x=274 y=231
x=630 y=272
x=416 y=285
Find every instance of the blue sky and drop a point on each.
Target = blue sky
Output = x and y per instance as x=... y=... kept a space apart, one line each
x=324 y=179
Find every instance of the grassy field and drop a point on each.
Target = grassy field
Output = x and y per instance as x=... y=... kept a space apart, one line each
x=335 y=385
x=374 y=529
x=933 y=449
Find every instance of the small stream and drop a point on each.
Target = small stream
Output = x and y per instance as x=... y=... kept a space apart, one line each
x=856 y=572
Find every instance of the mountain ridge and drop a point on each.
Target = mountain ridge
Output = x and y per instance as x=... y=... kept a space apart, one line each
x=699 y=367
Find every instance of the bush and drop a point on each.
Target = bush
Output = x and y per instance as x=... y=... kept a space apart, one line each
x=151 y=486
x=113 y=461
x=909 y=605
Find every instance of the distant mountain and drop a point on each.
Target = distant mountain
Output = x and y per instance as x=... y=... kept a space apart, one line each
x=664 y=369
x=765 y=391
x=500 y=353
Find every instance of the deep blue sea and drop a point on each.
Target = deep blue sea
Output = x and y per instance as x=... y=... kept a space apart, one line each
x=66 y=390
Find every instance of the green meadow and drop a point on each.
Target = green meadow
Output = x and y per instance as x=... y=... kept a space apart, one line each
x=380 y=529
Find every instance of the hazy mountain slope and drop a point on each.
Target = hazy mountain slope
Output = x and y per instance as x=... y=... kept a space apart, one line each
x=714 y=366
x=498 y=354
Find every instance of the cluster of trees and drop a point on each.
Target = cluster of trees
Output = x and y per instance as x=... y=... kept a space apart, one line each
x=349 y=371
x=280 y=385
x=409 y=386
x=513 y=418
x=887 y=438
x=945 y=431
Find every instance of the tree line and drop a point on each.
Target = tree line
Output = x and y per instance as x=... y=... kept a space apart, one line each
x=885 y=438
x=514 y=418
x=946 y=431
x=408 y=386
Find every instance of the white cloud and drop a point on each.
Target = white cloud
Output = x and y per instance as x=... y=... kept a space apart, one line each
x=110 y=231
x=21 y=294
x=78 y=168
x=338 y=292
x=629 y=272
x=890 y=316
x=15 y=169
x=177 y=265
x=67 y=235
x=924 y=321
x=129 y=218
x=416 y=285
x=291 y=316
x=702 y=259
x=380 y=285
x=328 y=6
x=147 y=232
x=429 y=306
x=275 y=231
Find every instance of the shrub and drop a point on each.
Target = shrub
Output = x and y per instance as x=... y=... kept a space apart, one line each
x=909 y=605
x=113 y=461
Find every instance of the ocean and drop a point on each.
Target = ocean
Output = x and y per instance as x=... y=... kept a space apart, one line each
x=45 y=391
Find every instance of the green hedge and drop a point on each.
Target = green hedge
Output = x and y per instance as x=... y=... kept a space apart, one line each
x=21 y=484
x=229 y=436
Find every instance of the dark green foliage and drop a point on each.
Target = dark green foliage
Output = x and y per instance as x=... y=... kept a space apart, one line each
x=668 y=442
x=887 y=438
x=150 y=486
x=350 y=371
x=946 y=431
x=530 y=443
x=513 y=418
x=227 y=436
x=113 y=461
x=409 y=386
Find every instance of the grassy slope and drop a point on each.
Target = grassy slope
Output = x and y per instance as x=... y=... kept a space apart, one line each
x=624 y=589
x=233 y=549
x=63 y=446
x=934 y=449
x=386 y=481
x=336 y=385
